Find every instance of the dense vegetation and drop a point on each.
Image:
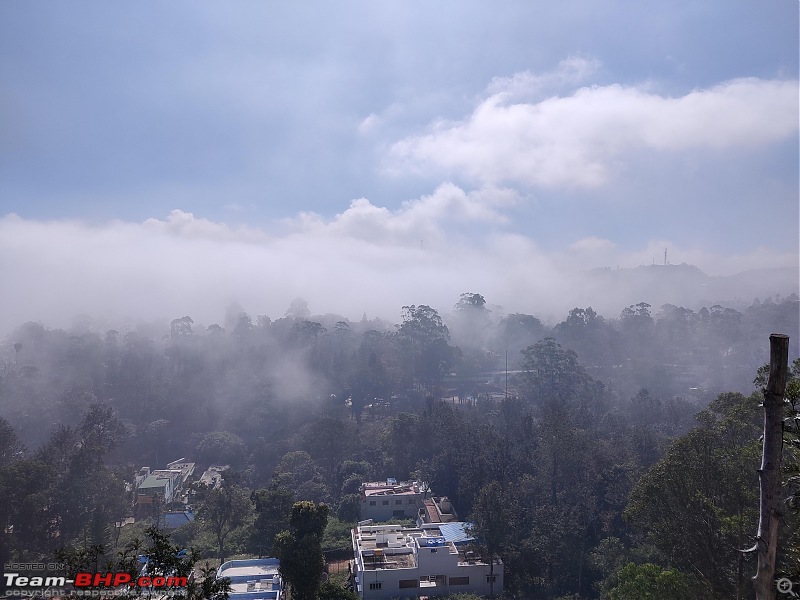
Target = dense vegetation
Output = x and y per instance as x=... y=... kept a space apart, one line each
x=584 y=467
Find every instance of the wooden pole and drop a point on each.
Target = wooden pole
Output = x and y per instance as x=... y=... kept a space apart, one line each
x=769 y=474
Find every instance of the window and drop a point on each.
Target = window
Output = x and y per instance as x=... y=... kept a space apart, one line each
x=398 y=513
x=372 y=502
x=491 y=578
x=376 y=585
x=411 y=501
x=385 y=503
x=433 y=550
x=459 y=581
x=408 y=583
x=398 y=501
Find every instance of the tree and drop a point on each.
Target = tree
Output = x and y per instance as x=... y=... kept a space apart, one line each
x=273 y=509
x=588 y=334
x=221 y=447
x=636 y=318
x=298 y=309
x=515 y=332
x=168 y=560
x=424 y=338
x=651 y=582
x=101 y=431
x=696 y=504
x=300 y=549
x=331 y=591
x=553 y=380
x=223 y=510
x=11 y=449
x=423 y=324
x=471 y=320
x=181 y=327
x=493 y=516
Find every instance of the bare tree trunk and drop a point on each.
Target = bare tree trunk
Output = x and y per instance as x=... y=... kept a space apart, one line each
x=770 y=472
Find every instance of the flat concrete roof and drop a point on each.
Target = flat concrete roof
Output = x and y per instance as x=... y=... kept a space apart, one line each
x=261 y=570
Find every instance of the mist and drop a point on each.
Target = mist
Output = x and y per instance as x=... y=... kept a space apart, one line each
x=367 y=260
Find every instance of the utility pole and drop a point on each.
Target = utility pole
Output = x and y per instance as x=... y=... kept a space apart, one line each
x=506 y=373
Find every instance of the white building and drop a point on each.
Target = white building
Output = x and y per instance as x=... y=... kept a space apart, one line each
x=392 y=561
x=384 y=500
x=254 y=579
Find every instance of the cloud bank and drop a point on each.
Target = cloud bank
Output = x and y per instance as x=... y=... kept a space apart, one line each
x=366 y=259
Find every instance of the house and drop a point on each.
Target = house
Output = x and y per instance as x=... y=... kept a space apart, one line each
x=385 y=500
x=186 y=469
x=155 y=485
x=252 y=579
x=437 y=510
x=393 y=561
x=169 y=483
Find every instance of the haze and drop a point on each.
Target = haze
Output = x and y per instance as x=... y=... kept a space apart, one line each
x=161 y=160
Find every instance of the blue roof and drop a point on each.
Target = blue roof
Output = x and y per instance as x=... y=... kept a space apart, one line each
x=173 y=520
x=456 y=532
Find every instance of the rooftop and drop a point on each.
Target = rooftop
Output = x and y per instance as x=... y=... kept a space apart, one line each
x=397 y=547
x=153 y=482
x=253 y=579
x=391 y=487
x=212 y=476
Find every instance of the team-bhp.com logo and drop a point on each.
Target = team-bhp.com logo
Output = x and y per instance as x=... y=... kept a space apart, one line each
x=85 y=580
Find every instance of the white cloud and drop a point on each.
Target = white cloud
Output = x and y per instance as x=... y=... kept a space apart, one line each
x=185 y=224
x=369 y=124
x=526 y=85
x=415 y=220
x=579 y=140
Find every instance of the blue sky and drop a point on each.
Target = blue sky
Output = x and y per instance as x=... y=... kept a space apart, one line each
x=297 y=143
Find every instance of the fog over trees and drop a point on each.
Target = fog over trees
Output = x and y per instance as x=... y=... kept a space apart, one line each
x=599 y=455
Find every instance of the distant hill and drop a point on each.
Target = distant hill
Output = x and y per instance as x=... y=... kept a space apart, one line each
x=610 y=290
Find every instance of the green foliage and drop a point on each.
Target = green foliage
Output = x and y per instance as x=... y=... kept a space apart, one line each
x=564 y=452
x=331 y=591
x=221 y=448
x=698 y=505
x=167 y=559
x=337 y=535
x=552 y=379
x=424 y=338
x=222 y=511
x=273 y=508
x=300 y=549
x=349 y=509
x=651 y=582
